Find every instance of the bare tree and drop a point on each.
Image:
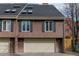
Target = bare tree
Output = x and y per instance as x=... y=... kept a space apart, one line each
x=67 y=10
x=71 y=11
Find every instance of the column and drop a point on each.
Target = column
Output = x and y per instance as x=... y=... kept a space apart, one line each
x=16 y=36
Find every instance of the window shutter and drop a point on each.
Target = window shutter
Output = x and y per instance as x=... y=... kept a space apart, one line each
x=54 y=26
x=19 y=26
x=12 y=23
x=43 y=26
x=0 y=25
x=31 y=26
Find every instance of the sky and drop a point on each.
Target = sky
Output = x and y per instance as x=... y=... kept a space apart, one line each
x=38 y=1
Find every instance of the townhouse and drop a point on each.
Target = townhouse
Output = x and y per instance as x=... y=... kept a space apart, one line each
x=30 y=28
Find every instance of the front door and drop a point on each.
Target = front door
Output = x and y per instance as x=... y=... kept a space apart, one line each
x=20 y=45
x=12 y=45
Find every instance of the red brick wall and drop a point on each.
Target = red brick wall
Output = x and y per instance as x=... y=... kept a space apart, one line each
x=36 y=31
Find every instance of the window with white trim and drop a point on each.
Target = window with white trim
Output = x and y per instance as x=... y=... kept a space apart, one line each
x=49 y=26
x=5 y=25
x=25 y=26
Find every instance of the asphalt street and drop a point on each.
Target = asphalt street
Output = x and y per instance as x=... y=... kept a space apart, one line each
x=38 y=54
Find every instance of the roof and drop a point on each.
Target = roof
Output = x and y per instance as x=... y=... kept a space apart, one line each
x=37 y=11
x=6 y=6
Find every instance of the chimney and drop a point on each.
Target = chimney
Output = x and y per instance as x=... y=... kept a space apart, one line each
x=45 y=3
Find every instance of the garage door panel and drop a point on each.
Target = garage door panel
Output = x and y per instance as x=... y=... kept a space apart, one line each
x=4 y=45
x=38 y=45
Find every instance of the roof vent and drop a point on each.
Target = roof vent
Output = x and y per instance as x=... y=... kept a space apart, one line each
x=16 y=6
x=7 y=10
x=13 y=10
x=24 y=12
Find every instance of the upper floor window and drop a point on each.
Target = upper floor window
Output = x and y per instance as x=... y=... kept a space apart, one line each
x=49 y=26
x=25 y=26
x=5 y=25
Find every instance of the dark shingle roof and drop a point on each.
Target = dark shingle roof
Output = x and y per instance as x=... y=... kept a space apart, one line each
x=6 y=6
x=37 y=10
x=44 y=10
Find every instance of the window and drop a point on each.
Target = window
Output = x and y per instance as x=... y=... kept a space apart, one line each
x=49 y=26
x=25 y=26
x=13 y=10
x=29 y=11
x=5 y=25
x=24 y=12
x=7 y=10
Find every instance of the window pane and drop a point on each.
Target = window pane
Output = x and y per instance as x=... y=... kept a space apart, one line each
x=50 y=26
x=28 y=25
x=23 y=26
x=46 y=26
x=53 y=26
x=4 y=25
x=8 y=25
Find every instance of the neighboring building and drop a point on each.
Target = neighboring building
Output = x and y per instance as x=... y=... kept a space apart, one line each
x=31 y=28
x=67 y=34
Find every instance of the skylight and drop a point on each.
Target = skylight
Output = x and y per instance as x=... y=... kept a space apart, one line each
x=13 y=10
x=7 y=10
x=29 y=11
x=24 y=12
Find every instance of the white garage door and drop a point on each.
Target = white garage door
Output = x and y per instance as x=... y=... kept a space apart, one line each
x=4 y=45
x=39 y=45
